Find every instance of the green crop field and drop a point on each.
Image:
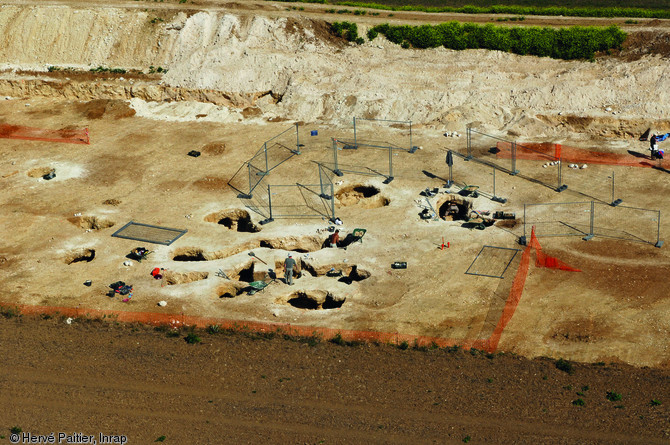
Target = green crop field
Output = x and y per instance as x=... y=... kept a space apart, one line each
x=571 y=8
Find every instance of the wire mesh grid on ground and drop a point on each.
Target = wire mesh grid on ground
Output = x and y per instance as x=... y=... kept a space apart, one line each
x=492 y=261
x=149 y=233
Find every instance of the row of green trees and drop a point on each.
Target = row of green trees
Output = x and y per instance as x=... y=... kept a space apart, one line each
x=576 y=42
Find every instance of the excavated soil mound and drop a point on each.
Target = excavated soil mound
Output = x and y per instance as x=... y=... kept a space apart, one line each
x=301 y=244
x=38 y=172
x=111 y=202
x=79 y=255
x=235 y=219
x=96 y=109
x=211 y=183
x=91 y=222
x=172 y=277
x=214 y=148
x=365 y=196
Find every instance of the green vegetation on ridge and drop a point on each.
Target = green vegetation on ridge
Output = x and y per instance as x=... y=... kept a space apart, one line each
x=576 y=42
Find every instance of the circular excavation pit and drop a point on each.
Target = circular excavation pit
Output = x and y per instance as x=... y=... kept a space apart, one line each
x=315 y=300
x=189 y=254
x=366 y=196
x=454 y=208
x=234 y=219
x=79 y=255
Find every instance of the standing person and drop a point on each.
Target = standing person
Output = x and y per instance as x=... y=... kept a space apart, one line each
x=335 y=238
x=289 y=264
x=653 y=146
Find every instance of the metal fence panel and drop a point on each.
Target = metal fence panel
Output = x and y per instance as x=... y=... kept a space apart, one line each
x=597 y=182
x=298 y=201
x=259 y=200
x=558 y=219
x=627 y=223
x=364 y=159
x=491 y=150
x=383 y=132
x=540 y=163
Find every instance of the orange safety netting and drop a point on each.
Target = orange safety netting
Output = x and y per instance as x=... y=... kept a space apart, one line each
x=39 y=134
x=177 y=320
x=545 y=150
x=542 y=260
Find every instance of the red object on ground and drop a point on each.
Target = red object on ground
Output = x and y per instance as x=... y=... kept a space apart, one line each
x=548 y=151
x=39 y=134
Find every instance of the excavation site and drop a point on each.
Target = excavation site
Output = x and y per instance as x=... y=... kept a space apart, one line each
x=251 y=168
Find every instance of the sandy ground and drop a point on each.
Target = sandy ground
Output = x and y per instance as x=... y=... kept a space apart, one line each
x=237 y=77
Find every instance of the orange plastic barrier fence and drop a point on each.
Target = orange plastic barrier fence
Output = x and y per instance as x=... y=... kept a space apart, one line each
x=541 y=151
x=512 y=302
x=38 y=134
x=542 y=260
x=178 y=320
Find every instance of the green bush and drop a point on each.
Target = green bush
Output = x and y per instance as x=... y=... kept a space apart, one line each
x=347 y=30
x=613 y=396
x=579 y=402
x=655 y=402
x=576 y=42
x=565 y=366
x=191 y=338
